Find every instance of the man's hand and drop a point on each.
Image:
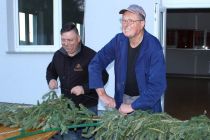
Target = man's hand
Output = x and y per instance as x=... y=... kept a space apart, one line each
x=107 y=100
x=77 y=90
x=125 y=109
x=53 y=84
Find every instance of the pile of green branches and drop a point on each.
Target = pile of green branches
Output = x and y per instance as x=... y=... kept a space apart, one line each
x=60 y=112
x=141 y=125
x=52 y=112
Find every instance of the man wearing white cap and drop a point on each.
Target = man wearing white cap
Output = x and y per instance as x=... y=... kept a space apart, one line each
x=139 y=65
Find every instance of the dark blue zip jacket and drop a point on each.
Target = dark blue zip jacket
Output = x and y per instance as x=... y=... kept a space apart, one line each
x=150 y=70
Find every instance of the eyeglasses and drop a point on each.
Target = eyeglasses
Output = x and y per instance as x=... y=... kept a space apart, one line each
x=129 y=21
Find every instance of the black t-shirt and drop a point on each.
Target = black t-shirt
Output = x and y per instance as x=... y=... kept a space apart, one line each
x=131 y=86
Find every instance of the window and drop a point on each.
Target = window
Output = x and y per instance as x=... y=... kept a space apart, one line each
x=171 y=38
x=35 y=22
x=198 y=38
x=188 y=28
x=34 y=25
x=73 y=11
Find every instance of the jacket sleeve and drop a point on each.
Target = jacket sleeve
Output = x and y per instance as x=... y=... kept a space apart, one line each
x=51 y=72
x=105 y=76
x=100 y=61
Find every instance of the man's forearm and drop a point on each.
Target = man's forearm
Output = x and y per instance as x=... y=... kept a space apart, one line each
x=101 y=92
x=109 y=101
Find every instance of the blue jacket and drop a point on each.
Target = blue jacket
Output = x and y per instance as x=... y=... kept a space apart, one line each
x=150 y=70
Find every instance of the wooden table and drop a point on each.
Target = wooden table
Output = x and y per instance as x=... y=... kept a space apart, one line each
x=6 y=132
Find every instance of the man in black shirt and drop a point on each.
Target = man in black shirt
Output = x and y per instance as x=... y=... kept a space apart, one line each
x=70 y=65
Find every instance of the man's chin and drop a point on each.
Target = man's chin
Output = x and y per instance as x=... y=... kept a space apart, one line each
x=126 y=34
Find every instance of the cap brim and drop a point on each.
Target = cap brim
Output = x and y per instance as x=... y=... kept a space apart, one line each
x=124 y=10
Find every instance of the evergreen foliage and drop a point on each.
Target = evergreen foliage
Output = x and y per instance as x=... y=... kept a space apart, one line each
x=53 y=112
x=60 y=112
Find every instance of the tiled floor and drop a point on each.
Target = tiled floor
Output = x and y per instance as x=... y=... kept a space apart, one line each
x=187 y=97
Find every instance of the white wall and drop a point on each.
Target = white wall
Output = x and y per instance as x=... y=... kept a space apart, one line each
x=22 y=75
x=102 y=23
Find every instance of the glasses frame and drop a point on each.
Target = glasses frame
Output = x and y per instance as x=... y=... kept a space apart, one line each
x=129 y=21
